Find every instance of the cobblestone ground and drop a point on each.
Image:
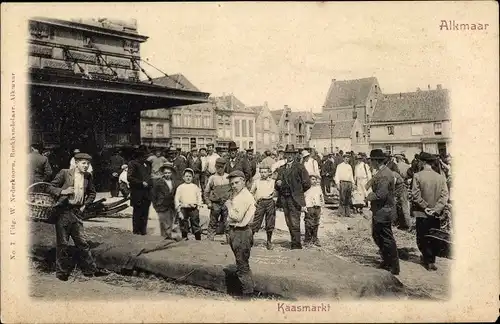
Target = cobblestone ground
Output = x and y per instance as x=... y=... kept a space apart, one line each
x=348 y=238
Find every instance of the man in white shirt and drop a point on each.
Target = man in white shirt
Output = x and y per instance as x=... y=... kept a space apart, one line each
x=211 y=159
x=314 y=201
x=241 y=210
x=280 y=161
x=344 y=179
x=310 y=164
x=264 y=193
x=362 y=175
x=187 y=201
x=123 y=182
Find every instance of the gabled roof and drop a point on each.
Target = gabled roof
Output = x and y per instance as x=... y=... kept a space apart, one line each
x=428 y=105
x=230 y=102
x=176 y=81
x=256 y=109
x=306 y=116
x=341 y=129
x=277 y=115
x=349 y=92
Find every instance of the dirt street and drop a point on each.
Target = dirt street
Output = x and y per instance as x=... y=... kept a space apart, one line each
x=349 y=238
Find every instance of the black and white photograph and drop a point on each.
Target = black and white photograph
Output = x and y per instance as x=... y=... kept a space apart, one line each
x=295 y=155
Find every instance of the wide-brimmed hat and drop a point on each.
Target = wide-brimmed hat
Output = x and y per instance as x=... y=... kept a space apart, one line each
x=377 y=154
x=290 y=148
x=424 y=156
x=124 y=167
x=167 y=165
x=305 y=153
x=232 y=146
x=76 y=151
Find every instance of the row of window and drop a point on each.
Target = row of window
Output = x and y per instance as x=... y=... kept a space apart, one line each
x=418 y=130
x=196 y=119
x=246 y=129
x=266 y=138
x=159 y=130
x=187 y=143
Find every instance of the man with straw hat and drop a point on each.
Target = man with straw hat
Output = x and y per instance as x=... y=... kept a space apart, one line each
x=75 y=190
x=383 y=209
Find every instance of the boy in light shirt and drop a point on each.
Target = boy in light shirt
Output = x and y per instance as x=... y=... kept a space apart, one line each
x=314 y=201
x=123 y=182
x=187 y=201
x=264 y=194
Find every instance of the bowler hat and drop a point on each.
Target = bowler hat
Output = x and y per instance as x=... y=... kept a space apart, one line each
x=377 y=154
x=249 y=150
x=424 y=156
x=235 y=174
x=290 y=148
x=232 y=146
x=167 y=165
x=82 y=156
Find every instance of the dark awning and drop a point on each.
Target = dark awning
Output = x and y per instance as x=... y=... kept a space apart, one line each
x=139 y=95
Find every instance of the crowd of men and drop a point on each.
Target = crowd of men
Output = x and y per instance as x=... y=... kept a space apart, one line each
x=243 y=191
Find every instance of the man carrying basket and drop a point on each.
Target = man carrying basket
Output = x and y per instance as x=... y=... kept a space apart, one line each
x=75 y=190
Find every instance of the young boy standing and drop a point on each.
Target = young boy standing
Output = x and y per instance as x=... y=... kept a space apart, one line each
x=314 y=201
x=264 y=194
x=123 y=182
x=187 y=201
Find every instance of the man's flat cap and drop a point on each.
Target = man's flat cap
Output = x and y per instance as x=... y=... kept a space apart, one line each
x=236 y=174
x=83 y=156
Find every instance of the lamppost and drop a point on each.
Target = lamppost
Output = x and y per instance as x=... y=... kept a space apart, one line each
x=331 y=135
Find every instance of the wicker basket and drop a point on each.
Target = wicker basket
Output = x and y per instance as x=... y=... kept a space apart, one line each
x=40 y=204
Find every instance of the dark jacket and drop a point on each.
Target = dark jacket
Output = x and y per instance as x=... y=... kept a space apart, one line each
x=115 y=163
x=180 y=164
x=40 y=169
x=195 y=165
x=161 y=195
x=240 y=164
x=65 y=179
x=139 y=172
x=382 y=195
x=296 y=179
x=253 y=167
x=328 y=169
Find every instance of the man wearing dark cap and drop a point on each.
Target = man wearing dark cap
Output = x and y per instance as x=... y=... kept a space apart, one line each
x=383 y=210
x=291 y=184
x=252 y=163
x=139 y=178
x=327 y=173
x=241 y=210
x=75 y=190
x=429 y=197
x=216 y=193
x=236 y=162
x=180 y=162
x=40 y=169
x=194 y=163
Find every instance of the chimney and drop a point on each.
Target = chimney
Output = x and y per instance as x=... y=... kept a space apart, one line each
x=265 y=104
x=428 y=87
x=418 y=90
x=400 y=95
x=333 y=80
x=286 y=106
x=439 y=87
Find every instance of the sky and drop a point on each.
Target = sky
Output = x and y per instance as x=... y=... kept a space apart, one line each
x=289 y=54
